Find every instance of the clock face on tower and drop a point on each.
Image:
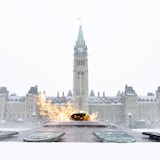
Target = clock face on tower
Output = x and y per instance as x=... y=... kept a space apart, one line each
x=80 y=49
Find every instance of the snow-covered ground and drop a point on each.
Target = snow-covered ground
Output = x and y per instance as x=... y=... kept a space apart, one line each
x=147 y=130
x=15 y=126
x=13 y=129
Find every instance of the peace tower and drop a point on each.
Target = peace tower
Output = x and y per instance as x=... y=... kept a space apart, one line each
x=80 y=74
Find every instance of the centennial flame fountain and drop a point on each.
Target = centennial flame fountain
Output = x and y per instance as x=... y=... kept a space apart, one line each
x=68 y=124
x=62 y=112
x=76 y=124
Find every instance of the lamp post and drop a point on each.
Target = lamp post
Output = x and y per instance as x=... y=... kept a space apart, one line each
x=34 y=117
x=130 y=116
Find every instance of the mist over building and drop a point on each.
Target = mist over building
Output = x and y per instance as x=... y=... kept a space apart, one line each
x=115 y=109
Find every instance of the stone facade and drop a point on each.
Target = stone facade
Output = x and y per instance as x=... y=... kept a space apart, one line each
x=114 y=109
x=18 y=108
x=117 y=109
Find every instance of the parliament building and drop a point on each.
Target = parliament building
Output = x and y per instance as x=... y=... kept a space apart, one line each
x=125 y=106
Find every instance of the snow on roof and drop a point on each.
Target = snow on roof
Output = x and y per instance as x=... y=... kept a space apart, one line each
x=59 y=100
x=105 y=100
x=16 y=98
x=146 y=98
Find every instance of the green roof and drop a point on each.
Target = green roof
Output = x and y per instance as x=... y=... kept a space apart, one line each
x=80 y=38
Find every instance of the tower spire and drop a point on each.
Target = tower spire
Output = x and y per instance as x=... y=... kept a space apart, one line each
x=80 y=38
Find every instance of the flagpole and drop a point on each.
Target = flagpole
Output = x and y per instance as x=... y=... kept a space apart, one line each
x=79 y=20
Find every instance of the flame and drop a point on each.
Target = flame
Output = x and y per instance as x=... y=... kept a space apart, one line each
x=59 y=112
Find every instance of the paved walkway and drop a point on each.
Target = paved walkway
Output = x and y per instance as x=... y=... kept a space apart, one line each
x=74 y=131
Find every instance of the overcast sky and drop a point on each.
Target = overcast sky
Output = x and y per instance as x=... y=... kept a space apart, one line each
x=37 y=38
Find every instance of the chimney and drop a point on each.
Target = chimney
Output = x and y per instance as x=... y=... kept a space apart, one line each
x=103 y=94
x=57 y=94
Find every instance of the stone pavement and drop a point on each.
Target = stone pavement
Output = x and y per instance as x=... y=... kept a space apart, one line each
x=77 y=131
